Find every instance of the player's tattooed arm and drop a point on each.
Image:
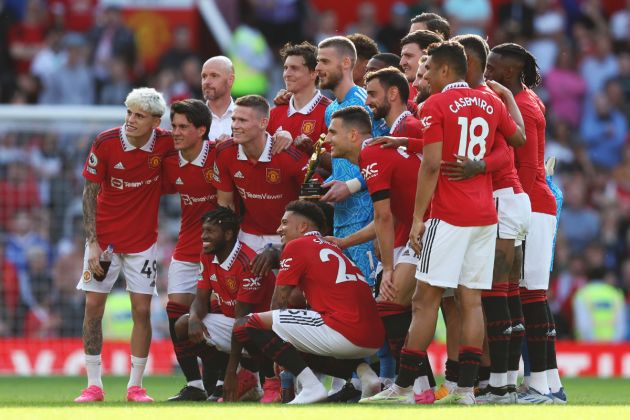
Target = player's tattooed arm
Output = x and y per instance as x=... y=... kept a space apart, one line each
x=90 y=191
x=92 y=336
x=281 y=294
x=230 y=385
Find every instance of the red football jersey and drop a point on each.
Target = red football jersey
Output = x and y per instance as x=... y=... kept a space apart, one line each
x=128 y=201
x=309 y=120
x=334 y=287
x=406 y=125
x=530 y=158
x=193 y=182
x=233 y=280
x=506 y=176
x=392 y=172
x=465 y=120
x=265 y=186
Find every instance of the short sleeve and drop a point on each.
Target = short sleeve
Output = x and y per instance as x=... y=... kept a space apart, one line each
x=431 y=118
x=507 y=126
x=221 y=177
x=205 y=268
x=376 y=169
x=96 y=163
x=292 y=265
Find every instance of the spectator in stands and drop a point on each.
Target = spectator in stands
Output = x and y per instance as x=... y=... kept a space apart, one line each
x=9 y=293
x=366 y=23
x=189 y=85
x=578 y=224
x=604 y=130
x=599 y=313
x=614 y=92
x=18 y=191
x=326 y=25
x=118 y=85
x=566 y=88
x=621 y=177
x=600 y=65
x=73 y=82
x=67 y=303
x=390 y=35
x=73 y=15
x=50 y=58
x=549 y=26
x=26 y=38
x=180 y=50
x=561 y=292
x=516 y=18
x=108 y=39
x=560 y=143
x=468 y=16
x=39 y=320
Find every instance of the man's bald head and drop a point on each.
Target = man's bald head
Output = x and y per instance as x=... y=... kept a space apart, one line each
x=217 y=78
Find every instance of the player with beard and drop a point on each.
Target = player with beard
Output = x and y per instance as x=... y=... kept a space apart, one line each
x=456 y=248
x=514 y=212
x=516 y=68
x=217 y=79
x=413 y=46
x=336 y=57
x=225 y=271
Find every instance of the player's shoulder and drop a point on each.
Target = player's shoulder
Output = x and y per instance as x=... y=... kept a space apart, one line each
x=323 y=102
x=292 y=154
x=372 y=153
x=245 y=257
x=410 y=122
x=226 y=147
x=106 y=137
x=356 y=96
x=161 y=134
x=279 y=111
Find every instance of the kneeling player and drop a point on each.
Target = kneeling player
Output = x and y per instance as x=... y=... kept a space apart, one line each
x=342 y=326
x=226 y=272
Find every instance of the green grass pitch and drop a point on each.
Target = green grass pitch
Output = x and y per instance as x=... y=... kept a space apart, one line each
x=50 y=398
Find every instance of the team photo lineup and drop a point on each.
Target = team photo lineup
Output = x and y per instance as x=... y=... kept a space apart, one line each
x=322 y=234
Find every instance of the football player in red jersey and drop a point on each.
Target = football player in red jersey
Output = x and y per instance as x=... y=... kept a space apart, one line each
x=456 y=248
x=390 y=176
x=413 y=46
x=514 y=211
x=387 y=98
x=189 y=173
x=121 y=198
x=516 y=68
x=226 y=272
x=264 y=182
x=303 y=116
x=342 y=325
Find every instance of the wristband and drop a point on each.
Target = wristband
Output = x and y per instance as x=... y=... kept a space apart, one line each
x=354 y=185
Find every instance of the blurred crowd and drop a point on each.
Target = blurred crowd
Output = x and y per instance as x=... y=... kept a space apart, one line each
x=72 y=52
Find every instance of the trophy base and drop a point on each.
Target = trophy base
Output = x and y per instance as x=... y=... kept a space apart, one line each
x=311 y=191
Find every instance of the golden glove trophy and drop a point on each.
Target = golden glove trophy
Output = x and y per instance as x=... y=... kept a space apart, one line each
x=311 y=189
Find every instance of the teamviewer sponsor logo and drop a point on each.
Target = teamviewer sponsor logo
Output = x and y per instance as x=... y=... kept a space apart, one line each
x=370 y=171
x=189 y=200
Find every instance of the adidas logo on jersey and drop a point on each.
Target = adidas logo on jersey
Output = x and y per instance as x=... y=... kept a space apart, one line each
x=119 y=165
x=179 y=181
x=239 y=174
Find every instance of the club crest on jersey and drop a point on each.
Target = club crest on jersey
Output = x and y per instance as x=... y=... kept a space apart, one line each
x=370 y=171
x=87 y=276
x=230 y=282
x=208 y=174
x=155 y=161
x=92 y=160
x=273 y=175
x=308 y=127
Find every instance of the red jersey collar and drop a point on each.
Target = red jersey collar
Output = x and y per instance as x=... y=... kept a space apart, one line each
x=264 y=157
x=200 y=160
x=227 y=264
x=401 y=117
x=456 y=85
x=306 y=109
x=148 y=146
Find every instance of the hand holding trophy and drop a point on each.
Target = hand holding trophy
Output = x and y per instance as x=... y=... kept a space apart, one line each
x=311 y=189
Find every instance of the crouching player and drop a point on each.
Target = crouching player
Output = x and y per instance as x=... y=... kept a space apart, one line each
x=225 y=270
x=341 y=328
